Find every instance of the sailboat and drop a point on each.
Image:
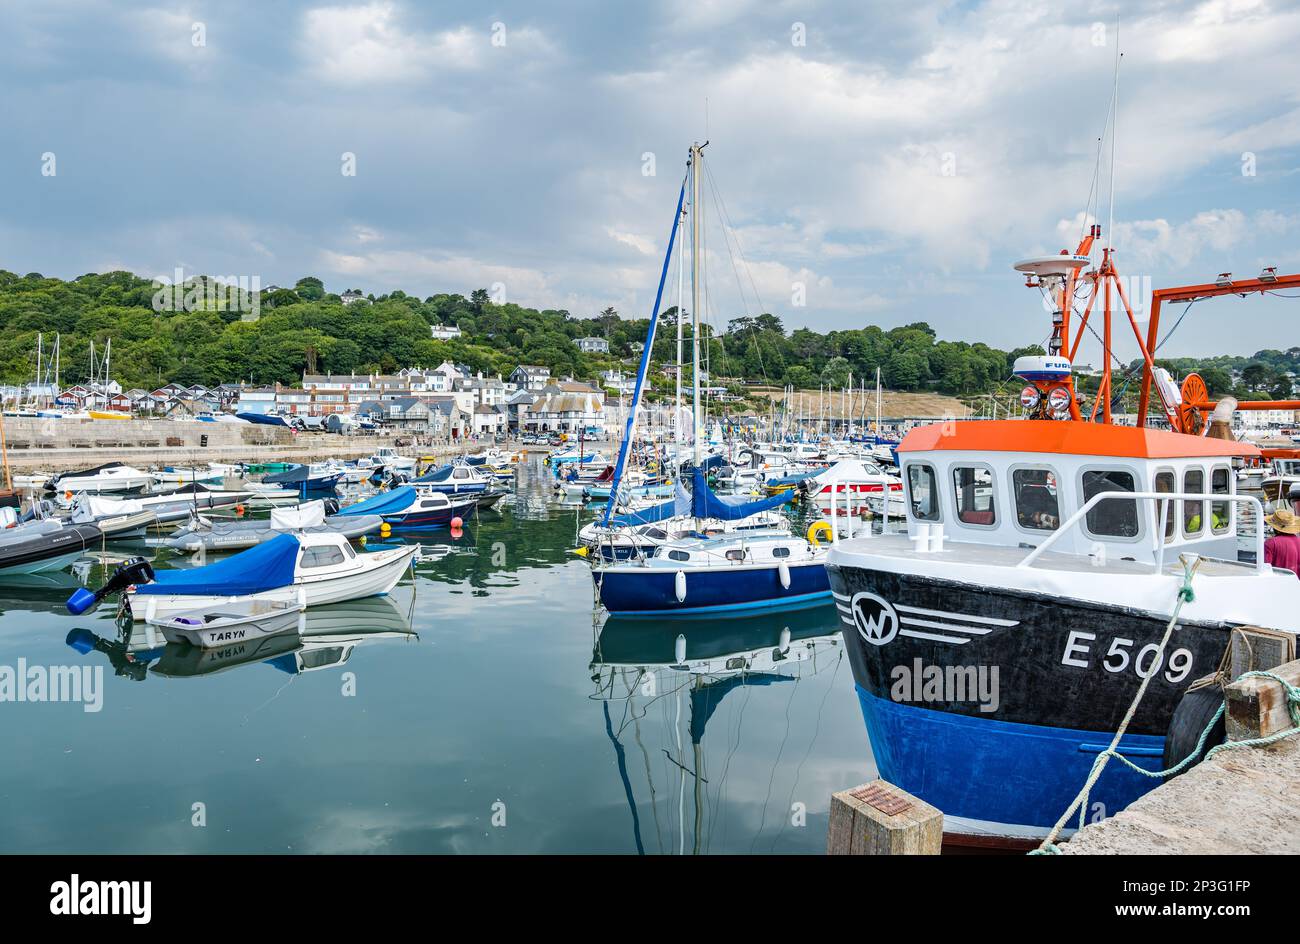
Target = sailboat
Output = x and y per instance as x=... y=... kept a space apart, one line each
x=702 y=573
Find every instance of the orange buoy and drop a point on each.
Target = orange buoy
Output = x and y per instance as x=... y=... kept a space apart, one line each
x=239 y=511
x=456 y=523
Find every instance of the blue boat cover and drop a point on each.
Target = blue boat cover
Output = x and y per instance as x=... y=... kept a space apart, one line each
x=440 y=474
x=705 y=504
x=385 y=503
x=790 y=479
x=268 y=566
x=264 y=419
x=680 y=505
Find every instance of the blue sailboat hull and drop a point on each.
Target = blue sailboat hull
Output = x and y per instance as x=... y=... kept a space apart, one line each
x=643 y=591
x=1014 y=779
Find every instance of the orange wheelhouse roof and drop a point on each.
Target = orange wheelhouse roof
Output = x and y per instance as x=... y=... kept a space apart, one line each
x=1068 y=437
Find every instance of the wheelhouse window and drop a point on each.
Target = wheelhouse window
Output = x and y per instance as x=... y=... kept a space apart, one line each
x=678 y=556
x=321 y=556
x=735 y=554
x=1193 y=511
x=1220 y=511
x=973 y=491
x=1165 y=482
x=923 y=492
x=1113 y=518
x=1038 y=505
x=780 y=552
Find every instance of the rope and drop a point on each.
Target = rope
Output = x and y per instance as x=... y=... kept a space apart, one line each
x=1185 y=595
x=1293 y=710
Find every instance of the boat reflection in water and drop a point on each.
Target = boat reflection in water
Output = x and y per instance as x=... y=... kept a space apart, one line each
x=684 y=671
x=324 y=637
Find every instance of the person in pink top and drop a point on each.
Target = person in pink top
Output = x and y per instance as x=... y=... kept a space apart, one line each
x=1283 y=548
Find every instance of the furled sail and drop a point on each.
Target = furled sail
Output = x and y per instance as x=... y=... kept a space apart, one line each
x=678 y=507
x=705 y=504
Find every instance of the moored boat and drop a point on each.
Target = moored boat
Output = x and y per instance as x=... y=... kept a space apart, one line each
x=323 y=568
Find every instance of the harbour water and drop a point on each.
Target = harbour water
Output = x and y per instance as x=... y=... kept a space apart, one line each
x=481 y=707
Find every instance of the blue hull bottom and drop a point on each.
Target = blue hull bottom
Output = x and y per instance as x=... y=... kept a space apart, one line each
x=637 y=591
x=998 y=772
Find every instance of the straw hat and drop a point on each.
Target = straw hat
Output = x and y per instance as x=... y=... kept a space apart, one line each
x=1283 y=522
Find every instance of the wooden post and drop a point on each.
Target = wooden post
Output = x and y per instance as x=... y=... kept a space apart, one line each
x=878 y=818
x=1257 y=706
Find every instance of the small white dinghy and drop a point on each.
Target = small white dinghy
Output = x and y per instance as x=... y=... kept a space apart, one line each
x=233 y=622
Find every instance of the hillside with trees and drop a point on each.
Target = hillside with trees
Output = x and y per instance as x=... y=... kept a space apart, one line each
x=306 y=328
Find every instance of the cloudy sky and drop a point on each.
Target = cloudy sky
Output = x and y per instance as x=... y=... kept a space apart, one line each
x=893 y=158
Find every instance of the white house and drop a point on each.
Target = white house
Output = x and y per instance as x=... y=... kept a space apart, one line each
x=444 y=332
x=352 y=296
x=489 y=391
x=592 y=345
x=617 y=381
x=564 y=412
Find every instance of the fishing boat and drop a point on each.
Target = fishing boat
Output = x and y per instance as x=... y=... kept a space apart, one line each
x=236 y=622
x=1000 y=642
x=324 y=568
x=213 y=534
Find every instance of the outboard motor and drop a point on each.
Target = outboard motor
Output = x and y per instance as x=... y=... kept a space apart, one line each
x=135 y=570
x=331 y=506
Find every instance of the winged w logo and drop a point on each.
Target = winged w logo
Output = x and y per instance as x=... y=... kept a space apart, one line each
x=874 y=617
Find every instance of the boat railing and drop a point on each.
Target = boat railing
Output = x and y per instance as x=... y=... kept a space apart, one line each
x=1166 y=499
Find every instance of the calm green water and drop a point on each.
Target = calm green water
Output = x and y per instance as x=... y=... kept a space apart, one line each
x=480 y=708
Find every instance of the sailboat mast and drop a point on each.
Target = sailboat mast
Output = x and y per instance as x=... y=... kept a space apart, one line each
x=697 y=156
x=681 y=295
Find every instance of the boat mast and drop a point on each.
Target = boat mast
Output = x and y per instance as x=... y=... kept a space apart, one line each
x=697 y=157
x=681 y=294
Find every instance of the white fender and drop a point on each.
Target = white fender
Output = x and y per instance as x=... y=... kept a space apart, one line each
x=681 y=586
x=679 y=649
x=784 y=644
x=784 y=570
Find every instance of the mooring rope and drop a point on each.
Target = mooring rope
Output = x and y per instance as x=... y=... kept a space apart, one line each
x=1185 y=595
x=1049 y=847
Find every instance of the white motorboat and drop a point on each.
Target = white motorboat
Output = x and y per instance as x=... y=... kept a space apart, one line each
x=325 y=567
x=111 y=477
x=389 y=459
